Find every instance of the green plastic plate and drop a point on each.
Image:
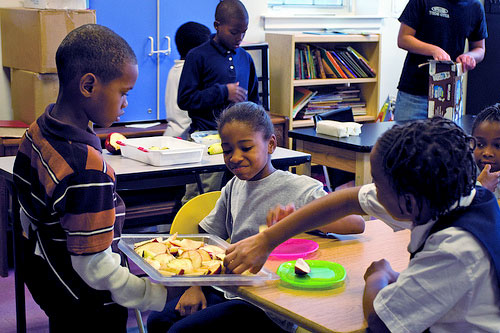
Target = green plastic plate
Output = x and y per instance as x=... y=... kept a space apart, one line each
x=324 y=274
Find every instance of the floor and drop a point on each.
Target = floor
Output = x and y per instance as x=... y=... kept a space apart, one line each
x=36 y=320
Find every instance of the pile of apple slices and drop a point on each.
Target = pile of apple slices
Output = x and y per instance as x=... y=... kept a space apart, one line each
x=181 y=256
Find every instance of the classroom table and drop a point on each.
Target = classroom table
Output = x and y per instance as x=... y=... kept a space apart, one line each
x=351 y=153
x=130 y=174
x=338 y=309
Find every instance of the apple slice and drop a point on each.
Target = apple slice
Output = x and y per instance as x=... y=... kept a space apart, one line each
x=153 y=247
x=302 y=267
x=194 y=256
x=215 y=268
x=213 y=249
x=111 y=143
x=164 y=259
x=153 y=262
x=198 y=271
x=183 y=264
x=205 y=256
x=189 y=244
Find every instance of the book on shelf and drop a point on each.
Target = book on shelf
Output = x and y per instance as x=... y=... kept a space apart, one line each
x=370 y=71
x=315 y=62
x=301 y=96
x=330 y=62
x=355 y=69
x=319 y=64
x=343 y=65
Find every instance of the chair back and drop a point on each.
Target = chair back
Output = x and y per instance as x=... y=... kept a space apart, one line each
x=187 y=218
x=341 y=114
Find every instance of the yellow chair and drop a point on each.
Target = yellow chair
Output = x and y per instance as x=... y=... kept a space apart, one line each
x=187 y=218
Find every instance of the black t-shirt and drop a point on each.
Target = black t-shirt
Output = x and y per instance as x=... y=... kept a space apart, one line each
x=445 y=23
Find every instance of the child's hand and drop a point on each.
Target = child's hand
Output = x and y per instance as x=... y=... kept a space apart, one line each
x=235 y=93
x=191 y=301
x=440 y=54
x=250 y=253
x=278 y=213
x=488 y=179
x=382 y=268
x=468 y=62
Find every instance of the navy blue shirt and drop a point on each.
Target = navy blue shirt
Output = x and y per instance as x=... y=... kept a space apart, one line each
x=444 y=23
x=202 y=86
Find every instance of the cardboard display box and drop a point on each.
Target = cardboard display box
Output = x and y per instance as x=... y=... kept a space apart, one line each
x=31 y=93
x=445 y=89
x=30 y=37
x=56 y=4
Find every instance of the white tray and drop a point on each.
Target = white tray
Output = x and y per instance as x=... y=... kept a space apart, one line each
x=126 y=244
x=178 y=152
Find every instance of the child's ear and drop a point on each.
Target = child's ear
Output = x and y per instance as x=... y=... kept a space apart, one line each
x=271 y=146
x=408 y=205
x=87 y=84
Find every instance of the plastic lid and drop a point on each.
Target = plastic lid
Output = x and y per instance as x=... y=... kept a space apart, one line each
x=295 y=248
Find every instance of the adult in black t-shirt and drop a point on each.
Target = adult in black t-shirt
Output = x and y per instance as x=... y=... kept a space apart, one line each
x=436 y=29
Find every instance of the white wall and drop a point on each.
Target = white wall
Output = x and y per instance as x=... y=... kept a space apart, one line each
x=391 y=57
x=384 y=12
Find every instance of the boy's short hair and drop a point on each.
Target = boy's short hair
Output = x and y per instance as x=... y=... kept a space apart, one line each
x=431 y=159
x=92 y=48
x=190 y=35
x=227 y=9
x=252 y=114
x=490 y=113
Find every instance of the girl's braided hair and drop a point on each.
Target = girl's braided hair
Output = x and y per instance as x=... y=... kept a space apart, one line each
x=430 y=159
x=490 y=114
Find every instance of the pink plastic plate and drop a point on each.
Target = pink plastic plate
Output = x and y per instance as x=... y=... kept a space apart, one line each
x=295 y=248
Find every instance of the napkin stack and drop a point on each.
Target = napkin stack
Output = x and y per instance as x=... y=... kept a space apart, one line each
x=337 y=128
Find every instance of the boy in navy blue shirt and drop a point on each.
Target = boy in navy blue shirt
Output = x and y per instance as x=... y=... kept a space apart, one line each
x=218 y=72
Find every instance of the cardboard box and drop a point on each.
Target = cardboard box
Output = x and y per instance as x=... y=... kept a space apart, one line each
x=445 y=89
x=31 y=93
x=30 y=37
x=56 y=4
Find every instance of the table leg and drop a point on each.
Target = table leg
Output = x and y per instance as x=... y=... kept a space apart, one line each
x=17 y=235
x=363 y=169
x=4 y=218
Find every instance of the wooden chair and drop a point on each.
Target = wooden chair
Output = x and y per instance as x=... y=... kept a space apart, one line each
x=187 y=218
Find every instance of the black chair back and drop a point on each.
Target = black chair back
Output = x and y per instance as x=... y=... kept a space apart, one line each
x=341 y=114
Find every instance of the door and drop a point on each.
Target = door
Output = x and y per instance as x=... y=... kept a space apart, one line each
x=136 y=21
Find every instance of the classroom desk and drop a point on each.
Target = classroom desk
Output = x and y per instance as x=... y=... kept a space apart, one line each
x=130 y=174
x=339 y=309
x=352 y=153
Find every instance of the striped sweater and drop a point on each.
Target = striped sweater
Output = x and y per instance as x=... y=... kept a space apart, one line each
x=66 y=188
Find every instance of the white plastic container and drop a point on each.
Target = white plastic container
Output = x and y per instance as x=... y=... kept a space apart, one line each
x=206 y=138
x=126 y=244
x=178 y=152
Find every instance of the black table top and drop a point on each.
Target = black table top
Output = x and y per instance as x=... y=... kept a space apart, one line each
x=370 y=132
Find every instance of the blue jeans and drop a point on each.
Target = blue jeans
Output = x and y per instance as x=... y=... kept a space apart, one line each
x=410 y=107
x=221 y=315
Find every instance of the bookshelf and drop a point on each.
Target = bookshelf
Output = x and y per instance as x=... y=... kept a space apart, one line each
x=282 y=71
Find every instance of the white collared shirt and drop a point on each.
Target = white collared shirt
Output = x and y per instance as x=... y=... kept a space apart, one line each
x=449 y=286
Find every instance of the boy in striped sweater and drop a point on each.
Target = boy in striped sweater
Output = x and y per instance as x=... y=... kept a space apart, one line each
x=70 y=211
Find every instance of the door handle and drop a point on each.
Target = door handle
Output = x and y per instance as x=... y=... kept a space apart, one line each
x=165 y=52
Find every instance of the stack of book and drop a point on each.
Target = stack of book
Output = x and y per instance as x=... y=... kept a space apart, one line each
x=345 y=62
x=340 y=97
x=301 y=97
